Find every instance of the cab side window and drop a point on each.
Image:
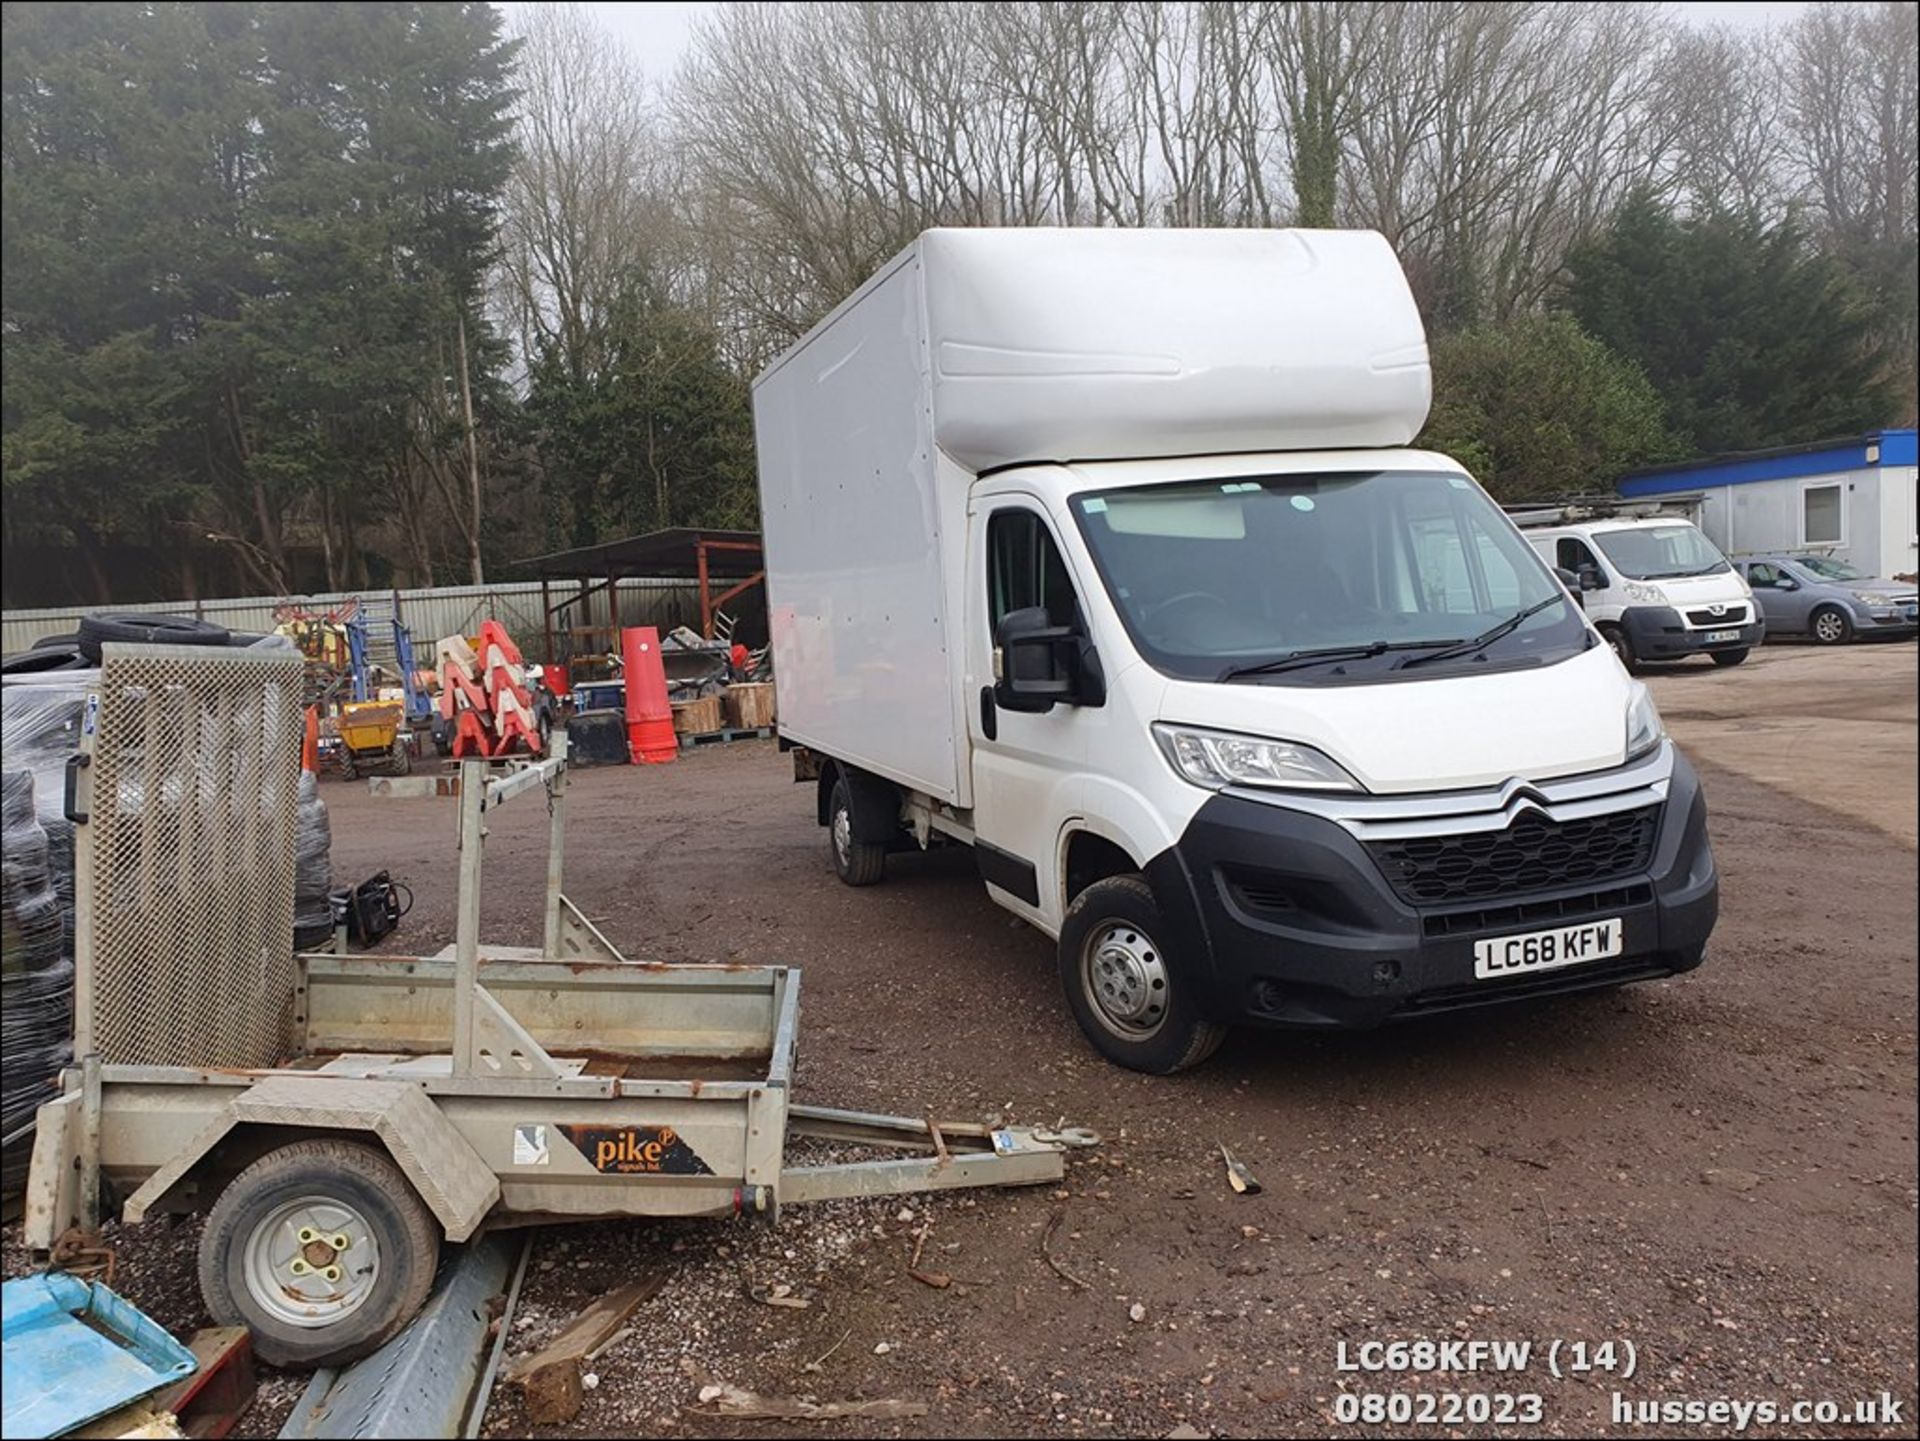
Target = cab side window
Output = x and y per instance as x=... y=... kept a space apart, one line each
x=1762 y=577
x=1025 y=568
x=1571 y=554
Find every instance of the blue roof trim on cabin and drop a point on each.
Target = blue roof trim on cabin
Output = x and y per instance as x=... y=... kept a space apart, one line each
x=1887 y=447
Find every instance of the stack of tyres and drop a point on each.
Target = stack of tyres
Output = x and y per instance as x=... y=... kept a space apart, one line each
x=36 y=973
x=312 y=868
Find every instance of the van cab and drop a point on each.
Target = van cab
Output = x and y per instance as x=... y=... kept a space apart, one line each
x=1656 y=588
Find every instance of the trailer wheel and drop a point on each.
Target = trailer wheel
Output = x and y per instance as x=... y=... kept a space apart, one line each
x=1134 y=1000
x=857 y=862
x=322 y=1249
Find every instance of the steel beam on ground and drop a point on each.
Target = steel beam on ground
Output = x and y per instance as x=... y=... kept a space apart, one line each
x=423 y=1382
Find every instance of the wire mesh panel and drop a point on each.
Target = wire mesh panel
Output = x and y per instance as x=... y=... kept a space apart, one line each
x=187 y=859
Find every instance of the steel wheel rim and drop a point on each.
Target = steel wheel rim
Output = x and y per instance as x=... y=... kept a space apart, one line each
x=842 y=829
x=297 y=1270
x=1827 y=626
x=1125 y=980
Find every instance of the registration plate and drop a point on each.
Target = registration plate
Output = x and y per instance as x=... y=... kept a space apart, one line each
x=1714 y=637
x=1547 y=950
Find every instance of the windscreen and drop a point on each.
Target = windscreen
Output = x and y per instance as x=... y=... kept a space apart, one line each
x=1219 y=578
x=1829 y=569
x=1660 y=552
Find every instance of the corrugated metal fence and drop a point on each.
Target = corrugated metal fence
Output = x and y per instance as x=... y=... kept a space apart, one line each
x=430 y=614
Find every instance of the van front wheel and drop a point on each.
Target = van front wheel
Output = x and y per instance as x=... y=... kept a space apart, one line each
x=1134 y=1000
x=1622 y=647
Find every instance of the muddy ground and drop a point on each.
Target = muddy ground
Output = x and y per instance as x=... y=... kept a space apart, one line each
x=1718 y=1169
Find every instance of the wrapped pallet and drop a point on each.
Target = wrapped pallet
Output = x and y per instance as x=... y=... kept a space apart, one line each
x=36 y=973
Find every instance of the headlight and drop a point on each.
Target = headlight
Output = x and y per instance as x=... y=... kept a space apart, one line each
x=1640 y=593
x=1216 y=758
x=1644 y=730
x=1874 y=597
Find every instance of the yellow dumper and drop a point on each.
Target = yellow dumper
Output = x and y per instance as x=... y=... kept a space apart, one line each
x=372 y=739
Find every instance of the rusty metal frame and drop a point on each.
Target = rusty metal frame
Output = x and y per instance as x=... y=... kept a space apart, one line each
x=709 y=602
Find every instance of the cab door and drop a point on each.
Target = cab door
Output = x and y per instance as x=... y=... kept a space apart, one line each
x=1024 y=761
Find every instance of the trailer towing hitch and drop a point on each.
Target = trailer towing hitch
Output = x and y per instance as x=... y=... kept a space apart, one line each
x=948 y=1155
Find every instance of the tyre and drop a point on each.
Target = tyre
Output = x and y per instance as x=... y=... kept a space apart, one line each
x=322 y=1249
x=856 y=862
x=69 y=641
x=44 y=658
x=400 y=762
x=1830 y=625
x=349 y=767
x=1622 y=647
x=1135 y=1001
x=1730 y=657
x=98 y=630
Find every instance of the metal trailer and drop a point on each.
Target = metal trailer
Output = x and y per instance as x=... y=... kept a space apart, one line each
x=339 y=1116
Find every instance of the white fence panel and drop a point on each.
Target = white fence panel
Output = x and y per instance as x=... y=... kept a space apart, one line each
x=429 y=614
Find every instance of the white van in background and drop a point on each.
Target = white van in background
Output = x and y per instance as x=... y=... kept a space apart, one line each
x=1102 y=553
x=1655 y=586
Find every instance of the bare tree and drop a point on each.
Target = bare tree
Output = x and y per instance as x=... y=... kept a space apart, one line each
x=1717 y=98
x=583 y=216
x=1483 y=137
x=1850 y=74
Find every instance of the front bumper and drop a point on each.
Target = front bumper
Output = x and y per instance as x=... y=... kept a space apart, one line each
x=1886 y=619
x=1320 y=938
x=1660 y=633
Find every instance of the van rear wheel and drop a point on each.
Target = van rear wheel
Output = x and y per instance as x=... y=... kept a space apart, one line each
x=857 y=862
x=1133 y=998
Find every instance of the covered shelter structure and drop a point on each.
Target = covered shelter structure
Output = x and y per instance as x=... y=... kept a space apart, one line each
x=723 y=564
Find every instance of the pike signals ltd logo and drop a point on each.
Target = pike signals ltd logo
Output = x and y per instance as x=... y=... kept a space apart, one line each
x=637 y=1151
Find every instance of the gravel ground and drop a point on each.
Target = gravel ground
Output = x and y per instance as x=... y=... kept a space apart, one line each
x=1718 y=1169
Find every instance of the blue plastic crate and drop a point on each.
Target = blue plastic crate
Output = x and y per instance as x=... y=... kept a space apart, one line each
x=600 y=695
x=63 y=1371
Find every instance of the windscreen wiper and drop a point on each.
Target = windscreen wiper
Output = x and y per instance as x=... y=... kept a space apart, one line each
x=1485 y=638
x=1293 y=660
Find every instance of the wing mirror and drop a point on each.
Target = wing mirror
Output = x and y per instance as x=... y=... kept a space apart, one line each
x=1572 y=583
x=1786 y=582
x=1592 y=578
x=1038 y=665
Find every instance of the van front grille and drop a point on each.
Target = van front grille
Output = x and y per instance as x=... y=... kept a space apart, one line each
x=1532 y=854
x=1516 y=915
x=1735 y=615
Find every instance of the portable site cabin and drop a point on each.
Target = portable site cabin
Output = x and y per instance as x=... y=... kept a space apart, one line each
x=1854 y=499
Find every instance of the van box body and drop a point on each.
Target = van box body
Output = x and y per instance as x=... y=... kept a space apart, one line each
x=977 y=349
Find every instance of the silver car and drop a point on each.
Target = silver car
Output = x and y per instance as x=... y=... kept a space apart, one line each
x=1829 y=600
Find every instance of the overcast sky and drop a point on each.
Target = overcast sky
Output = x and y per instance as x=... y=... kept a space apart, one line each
x=657 y=31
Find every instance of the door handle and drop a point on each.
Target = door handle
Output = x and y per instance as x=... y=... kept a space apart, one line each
x=989 y=714
x=70 y=801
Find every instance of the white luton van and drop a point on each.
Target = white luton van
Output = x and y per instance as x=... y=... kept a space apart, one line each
x=1103 y=553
